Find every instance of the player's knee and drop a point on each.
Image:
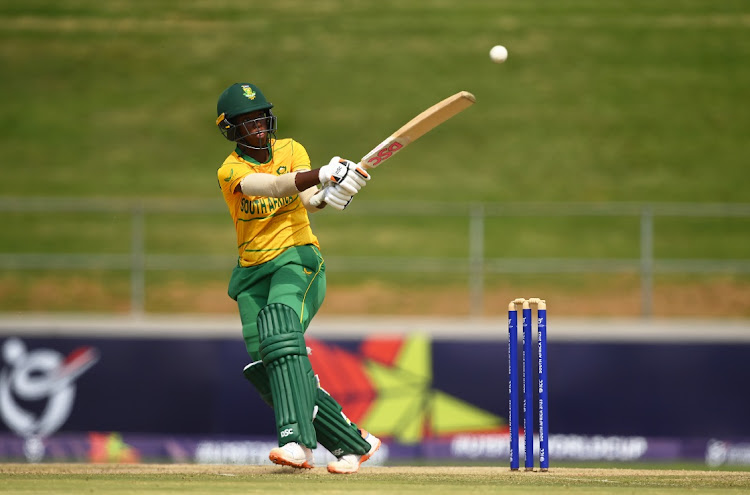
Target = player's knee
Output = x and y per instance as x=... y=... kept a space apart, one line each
x=280 y=333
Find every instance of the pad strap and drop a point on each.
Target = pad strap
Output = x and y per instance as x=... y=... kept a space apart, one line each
x=293 y=387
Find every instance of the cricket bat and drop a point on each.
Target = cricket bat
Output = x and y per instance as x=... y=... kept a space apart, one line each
x=410 y=132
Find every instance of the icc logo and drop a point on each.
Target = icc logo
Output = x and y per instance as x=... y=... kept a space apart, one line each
x=44 y=378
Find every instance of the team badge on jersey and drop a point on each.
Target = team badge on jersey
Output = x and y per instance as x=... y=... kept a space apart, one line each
x=249 y=93
x=281 y=170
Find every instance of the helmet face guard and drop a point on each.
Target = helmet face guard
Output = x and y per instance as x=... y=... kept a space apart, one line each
x=241 y=99
x=237 y=132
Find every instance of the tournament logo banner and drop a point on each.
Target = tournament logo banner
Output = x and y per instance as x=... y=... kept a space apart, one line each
x=38 y=389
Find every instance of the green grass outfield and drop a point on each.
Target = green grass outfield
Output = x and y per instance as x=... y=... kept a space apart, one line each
x=599 y=100
x=163 y=479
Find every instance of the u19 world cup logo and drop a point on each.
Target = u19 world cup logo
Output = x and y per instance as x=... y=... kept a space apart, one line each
x=43 y=378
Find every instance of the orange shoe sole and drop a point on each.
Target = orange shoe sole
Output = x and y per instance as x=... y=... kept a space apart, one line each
x=278 y=459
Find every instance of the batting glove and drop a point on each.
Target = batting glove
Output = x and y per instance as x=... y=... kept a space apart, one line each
x=336 y=197
x=345 y=173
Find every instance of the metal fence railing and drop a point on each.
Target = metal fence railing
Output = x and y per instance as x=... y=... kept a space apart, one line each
x=477 y=265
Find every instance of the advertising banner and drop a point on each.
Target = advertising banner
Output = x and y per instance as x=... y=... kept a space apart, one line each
x=186 y=400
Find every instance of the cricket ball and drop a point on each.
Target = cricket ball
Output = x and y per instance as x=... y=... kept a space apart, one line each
x=498 y=54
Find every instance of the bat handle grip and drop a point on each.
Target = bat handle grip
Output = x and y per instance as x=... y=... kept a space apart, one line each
x=317 y=198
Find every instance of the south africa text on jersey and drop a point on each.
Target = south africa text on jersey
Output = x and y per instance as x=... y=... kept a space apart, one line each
x=264 y=206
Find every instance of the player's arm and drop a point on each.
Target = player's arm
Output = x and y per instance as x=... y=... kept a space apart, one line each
x=347 y=176
x=276 y=186
x=306 y=195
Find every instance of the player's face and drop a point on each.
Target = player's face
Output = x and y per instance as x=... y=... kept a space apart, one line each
x=253 y=128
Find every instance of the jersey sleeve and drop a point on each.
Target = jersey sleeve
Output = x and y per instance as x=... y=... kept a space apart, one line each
x=230 y=174
x=300 y=158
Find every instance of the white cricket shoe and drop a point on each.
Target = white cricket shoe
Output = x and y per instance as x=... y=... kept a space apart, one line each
x=292 y=454
x=347 y=464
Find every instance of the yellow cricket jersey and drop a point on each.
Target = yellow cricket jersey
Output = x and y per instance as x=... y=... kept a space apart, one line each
x=266 y=226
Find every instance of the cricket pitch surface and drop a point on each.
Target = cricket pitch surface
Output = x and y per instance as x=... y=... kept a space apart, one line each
x=230 y=479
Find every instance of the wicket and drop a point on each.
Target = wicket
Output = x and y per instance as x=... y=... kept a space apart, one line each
x=528 y=392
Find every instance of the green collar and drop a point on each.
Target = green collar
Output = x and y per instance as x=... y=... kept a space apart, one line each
x=250 y=159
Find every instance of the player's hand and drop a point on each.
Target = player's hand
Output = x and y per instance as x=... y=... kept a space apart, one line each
x=355 y=180
x=336 y=197
x=345 y=173
x=335 y=171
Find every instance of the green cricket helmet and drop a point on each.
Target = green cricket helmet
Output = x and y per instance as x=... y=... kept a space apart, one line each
x=239 y=99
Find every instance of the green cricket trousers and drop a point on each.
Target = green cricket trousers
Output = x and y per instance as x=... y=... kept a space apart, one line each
x=295 y=278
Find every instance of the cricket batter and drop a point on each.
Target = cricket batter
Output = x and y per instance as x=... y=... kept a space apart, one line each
x=279 y=282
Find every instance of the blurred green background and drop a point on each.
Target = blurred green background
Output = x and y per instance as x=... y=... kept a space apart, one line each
x=599 y=101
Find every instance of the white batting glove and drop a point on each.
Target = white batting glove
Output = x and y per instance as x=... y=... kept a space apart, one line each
x=345 y=173
x=355 y=180
x=336 y=197
x=334 y=171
